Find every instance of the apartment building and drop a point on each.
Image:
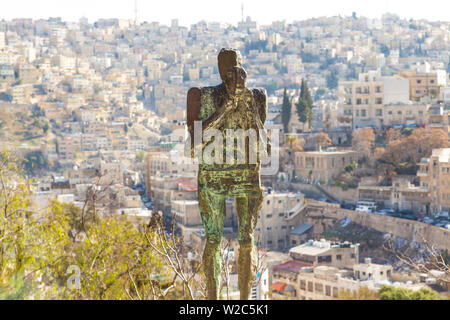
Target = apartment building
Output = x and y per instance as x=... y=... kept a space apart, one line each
x=187 y=212
x=401 y=195
x=361 y=103
x=326 y=282
x=423 y=84
x=323 y=166
x=275 y=223
x=293 y=279
x=434 y=174
x=438 y=118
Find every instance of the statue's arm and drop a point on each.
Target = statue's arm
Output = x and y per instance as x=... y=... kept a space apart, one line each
x=193 y=110
x=260 y=97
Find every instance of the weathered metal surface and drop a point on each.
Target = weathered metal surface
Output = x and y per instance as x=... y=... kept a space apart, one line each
x=230 y=105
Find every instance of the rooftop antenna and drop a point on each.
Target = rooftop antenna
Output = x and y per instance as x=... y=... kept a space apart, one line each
x=242 y=11
x=135 y=12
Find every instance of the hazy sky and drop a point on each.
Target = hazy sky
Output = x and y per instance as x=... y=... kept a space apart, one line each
x=191 y=11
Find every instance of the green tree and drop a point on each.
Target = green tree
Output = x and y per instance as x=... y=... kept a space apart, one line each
x=304 y=111
x=363 y=293
x=286 y=111
x=304 y=104
x=393 y=293
x=45 y=128
x=117 y=259
x=140 y=155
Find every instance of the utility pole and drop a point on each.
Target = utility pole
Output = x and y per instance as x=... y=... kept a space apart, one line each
x=135 y=12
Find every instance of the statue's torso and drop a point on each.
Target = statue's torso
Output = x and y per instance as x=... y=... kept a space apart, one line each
x=245 y=117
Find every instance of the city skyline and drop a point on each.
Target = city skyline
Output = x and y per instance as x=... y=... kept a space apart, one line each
x=188 y=13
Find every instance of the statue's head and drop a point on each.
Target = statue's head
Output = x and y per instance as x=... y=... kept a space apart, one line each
x=228 y=58
x=235 y=80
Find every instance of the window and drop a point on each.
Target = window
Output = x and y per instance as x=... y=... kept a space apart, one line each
x=419 y=81
x=352 y=256
x=281 y=214
x=399 y=112
x=379 y=113
x=268 y=216
x=302 y=285
x=328 y=291
x=324 y=259
x=335 y=292
x=338 y=257
x=269 y=228
x=310 y=286
x=318 y=287
x=378 y=101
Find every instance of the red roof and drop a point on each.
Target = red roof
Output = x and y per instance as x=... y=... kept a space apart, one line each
x=278 y=286
x=292 y=266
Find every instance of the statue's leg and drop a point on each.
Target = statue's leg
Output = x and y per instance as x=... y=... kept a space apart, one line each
x=248 y=208
x=212 y=210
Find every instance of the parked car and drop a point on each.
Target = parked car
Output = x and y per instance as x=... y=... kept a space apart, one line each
x=386 y=211
x=427 y=220
x=348 y=206
x=441 y=214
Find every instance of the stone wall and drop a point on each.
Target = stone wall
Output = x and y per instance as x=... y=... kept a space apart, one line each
x=403 y=228
x=338 y=193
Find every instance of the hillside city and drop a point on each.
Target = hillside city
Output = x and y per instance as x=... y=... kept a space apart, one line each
x=95 y=113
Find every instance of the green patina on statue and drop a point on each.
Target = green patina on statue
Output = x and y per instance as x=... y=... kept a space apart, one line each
x=225 y=108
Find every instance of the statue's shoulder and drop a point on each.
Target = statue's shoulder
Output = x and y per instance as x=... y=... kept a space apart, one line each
x=259 y=92
x=194 y=91
x=209 y=99
x=260 y=95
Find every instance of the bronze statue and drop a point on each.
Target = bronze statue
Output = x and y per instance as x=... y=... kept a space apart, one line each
x=229 y=107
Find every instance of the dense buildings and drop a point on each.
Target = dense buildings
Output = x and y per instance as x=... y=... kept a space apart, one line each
x=99 y=110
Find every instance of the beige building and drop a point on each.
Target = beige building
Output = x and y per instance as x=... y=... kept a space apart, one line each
x=434 y=174
x=323 y=166
x=21 y=94
x=362 y=103
x=275 y=222
x=28 y=74
x=423 y=84
x=186 y=212
x=438 y=118
x=313 y=271
x=326 y=282
x=402 y=195
x=341 y=255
